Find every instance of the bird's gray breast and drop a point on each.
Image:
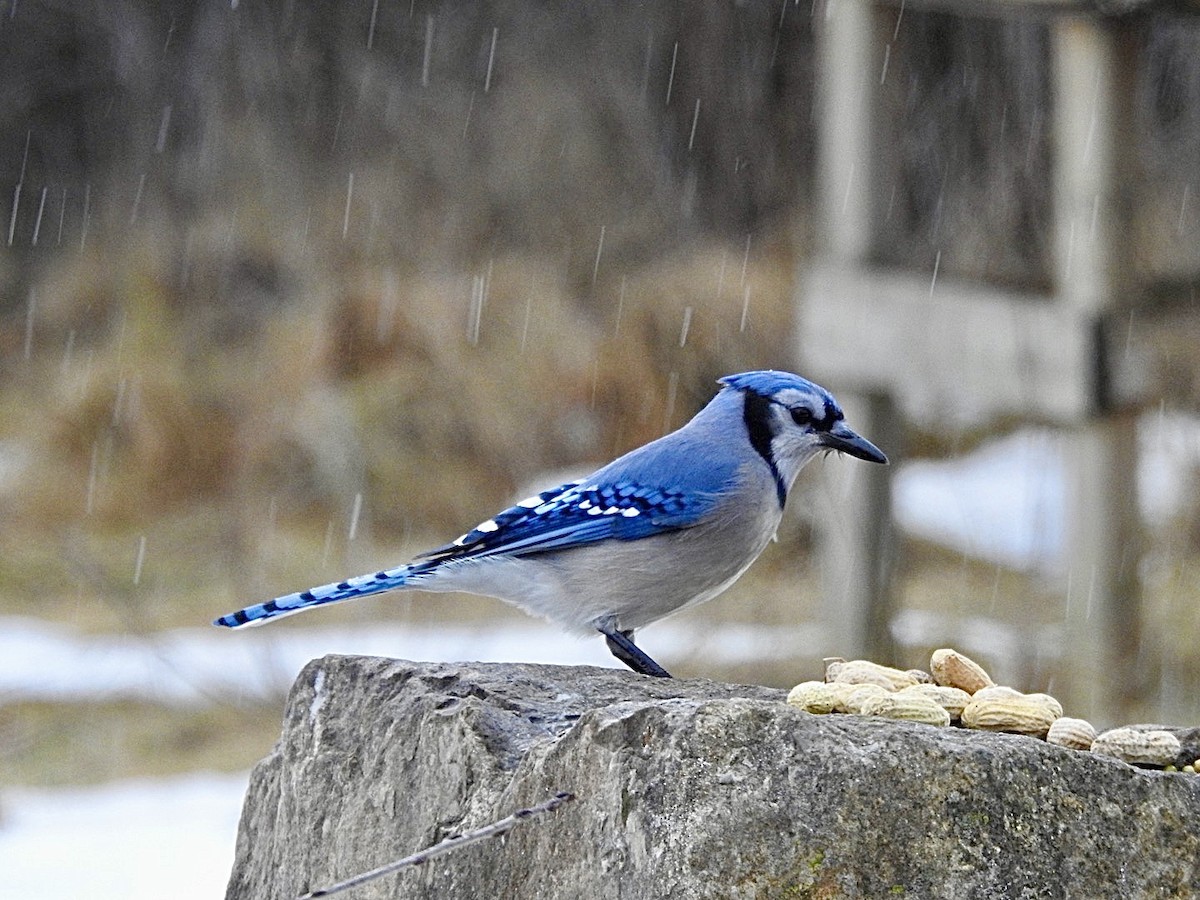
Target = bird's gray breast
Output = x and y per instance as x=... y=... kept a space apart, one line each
x=637 y=581
x=642 y=581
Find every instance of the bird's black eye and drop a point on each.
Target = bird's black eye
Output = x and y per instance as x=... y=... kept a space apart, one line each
x=801 y=416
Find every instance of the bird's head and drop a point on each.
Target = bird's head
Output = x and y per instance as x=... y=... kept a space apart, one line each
x=790 y=419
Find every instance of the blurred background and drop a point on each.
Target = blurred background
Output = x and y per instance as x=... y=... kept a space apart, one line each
x=292 y=291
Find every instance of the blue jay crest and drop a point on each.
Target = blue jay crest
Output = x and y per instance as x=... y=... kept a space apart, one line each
x=784 y=388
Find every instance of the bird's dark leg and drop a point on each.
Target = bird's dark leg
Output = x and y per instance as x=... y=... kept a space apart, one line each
x=621 y=644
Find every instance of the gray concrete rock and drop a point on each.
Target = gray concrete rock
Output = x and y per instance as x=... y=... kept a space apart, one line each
x=685 y=789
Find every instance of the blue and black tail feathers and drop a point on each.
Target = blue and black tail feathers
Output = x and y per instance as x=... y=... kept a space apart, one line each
x=375 y=583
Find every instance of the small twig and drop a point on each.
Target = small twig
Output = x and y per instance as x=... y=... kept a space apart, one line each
x=449 y=845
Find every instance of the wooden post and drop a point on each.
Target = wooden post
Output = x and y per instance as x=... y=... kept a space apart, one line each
x=855 y=535
x=1093 y=91
x=846 y=80
x=857 y=539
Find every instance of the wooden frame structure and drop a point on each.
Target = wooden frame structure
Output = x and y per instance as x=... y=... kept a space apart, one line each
x=897 y=341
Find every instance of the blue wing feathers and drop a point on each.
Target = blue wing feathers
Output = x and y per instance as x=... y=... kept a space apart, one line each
x=576 y=513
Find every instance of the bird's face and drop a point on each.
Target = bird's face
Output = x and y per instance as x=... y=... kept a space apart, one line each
x=791 y=419
x=805 y=422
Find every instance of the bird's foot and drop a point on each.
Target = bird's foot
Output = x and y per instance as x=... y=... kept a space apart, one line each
x=621 y=644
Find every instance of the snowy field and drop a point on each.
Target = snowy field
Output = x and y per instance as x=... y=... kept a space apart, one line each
x=175 y=837
x=136 y=840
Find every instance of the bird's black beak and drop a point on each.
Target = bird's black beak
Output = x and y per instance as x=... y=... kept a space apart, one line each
x=842 y=439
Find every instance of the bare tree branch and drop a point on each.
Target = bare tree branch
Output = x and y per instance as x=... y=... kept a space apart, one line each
x=449 y=845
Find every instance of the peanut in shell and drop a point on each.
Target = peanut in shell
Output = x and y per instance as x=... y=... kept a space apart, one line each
x=954 y=669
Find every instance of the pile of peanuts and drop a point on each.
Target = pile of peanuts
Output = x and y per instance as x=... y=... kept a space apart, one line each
x=957 y=690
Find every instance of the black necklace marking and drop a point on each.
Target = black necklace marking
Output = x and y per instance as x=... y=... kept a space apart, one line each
x=757 y=415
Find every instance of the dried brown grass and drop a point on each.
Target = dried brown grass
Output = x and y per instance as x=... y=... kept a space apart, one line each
x=428 y=396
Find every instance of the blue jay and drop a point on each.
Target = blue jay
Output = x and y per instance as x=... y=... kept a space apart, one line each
x=666 y=526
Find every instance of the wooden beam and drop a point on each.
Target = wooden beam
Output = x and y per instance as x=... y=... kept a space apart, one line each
x=962 y=352
x=856 y=532
x=857 y=538
x=1094 y=114
x=847 y=50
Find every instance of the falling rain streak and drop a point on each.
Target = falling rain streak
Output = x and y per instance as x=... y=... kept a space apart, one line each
x=141 y=558
x=87 y=215
x=672 y=390
x=164 y=126
x=371 y=29
x=476 y=310
x=118 y=402
x=687 y=324
x=66 y=363
x=525 y=324
x=599 y=251
x=849 y=186
x=137 y=200
x=62 y=215
x=620 y=308
x=1070 y=255
x=30 y=310
x=355 y=513
x=470 y=110
x=12 y=219
x=479 y=292
x=646 y=60
x=93 y=474
x=16 y=203
x=25 y=156
x=37 y=225
x=428 y=51
x=349 y=199
x=487 y=81
x=671 y=77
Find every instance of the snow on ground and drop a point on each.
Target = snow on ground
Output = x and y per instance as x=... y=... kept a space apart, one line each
x=133 y=840
x=49 y=661
x=1003 y=503
x=1006 y=501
